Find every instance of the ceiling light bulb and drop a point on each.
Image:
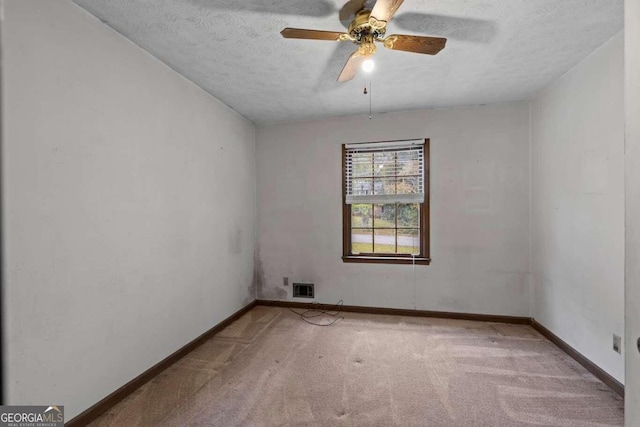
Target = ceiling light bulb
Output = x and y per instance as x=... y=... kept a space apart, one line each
x=368 y=65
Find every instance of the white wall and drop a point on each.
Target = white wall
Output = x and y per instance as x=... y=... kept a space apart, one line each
x=479 y=211
x=577 y=128
x=129 y=207
x=632 y=150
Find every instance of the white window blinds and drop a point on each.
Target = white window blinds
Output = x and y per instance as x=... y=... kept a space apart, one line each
x=385 y=172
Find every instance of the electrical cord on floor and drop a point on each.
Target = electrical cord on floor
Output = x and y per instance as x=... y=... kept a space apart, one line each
x=313 y=313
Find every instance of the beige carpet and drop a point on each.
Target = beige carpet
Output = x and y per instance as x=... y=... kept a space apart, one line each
x=270 y=368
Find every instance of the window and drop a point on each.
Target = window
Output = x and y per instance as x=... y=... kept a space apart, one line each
x=386 y=202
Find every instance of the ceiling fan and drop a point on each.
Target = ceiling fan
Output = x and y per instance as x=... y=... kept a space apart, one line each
x=368 y=27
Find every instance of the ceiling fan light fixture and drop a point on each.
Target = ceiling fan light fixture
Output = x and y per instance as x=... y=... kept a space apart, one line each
x=368 y=65
x=368 y=27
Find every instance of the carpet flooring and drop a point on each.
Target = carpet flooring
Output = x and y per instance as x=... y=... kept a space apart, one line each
x=270 y=368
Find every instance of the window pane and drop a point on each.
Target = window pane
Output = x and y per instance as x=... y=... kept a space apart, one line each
x=384 y=164
x=384 y=215
x=409 y=215
x=361 y=241
x=361 y=215
x=408 y=185
x=362 y=164
x=409 y=241
x=384 y=186
x=385 y=241
x=408 y=162
x=362 y=187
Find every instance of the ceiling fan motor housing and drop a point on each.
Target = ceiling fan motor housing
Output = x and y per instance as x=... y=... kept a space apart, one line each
x=361 y=29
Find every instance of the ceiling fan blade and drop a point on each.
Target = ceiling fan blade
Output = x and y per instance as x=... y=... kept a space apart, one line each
x=383 y=11
x=351 y=67
x=350 y=8
x=298 y=33
x=417 y=44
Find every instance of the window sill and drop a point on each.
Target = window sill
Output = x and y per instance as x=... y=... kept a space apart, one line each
x=386 y=260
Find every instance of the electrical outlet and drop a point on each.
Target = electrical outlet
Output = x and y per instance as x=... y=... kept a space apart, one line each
x=285 y=281
x=617 y=344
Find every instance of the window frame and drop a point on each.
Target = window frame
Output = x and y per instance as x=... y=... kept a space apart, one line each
x=423 y=258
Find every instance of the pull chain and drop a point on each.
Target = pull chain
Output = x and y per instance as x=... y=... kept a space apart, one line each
x=368 y=92
x=370 y=99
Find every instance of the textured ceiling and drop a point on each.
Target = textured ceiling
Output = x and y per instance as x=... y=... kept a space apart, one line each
x=498 y=50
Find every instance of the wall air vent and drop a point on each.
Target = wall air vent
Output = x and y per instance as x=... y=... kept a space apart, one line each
x=303 y=290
